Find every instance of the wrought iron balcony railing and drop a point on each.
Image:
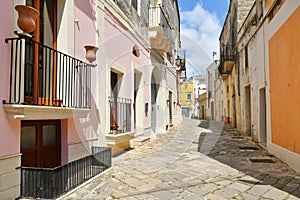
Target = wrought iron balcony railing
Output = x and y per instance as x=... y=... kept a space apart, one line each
x=120 y=115
x=227 y=59
x=50 y=183
x=227 y=53
x=40 y=75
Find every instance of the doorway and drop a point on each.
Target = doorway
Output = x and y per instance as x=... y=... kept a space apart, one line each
x=212 y=107
x=114 y=101
x=248 y=110
x=40 y=143
x=262 y=116
x=40 y=62
x=170 y=109
x=202 y=112
x=137 y=80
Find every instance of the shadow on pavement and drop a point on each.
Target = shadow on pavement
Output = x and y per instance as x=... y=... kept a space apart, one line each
x=237 y=152
x=204 y=124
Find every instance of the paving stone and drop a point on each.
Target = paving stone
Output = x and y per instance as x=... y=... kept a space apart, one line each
x=145 y=187
x=259 y=190
x=170 y=167
x=223 y=182
x=250 y=196
x=227 y=193
x=118 y=194
x=133 y=182
x=163 y=194
x=214 y=197
x=239 y=187
x=146 y=197
x=275 y=194
x=209 y=188
x=128 y=198
x=290 y=187
x=193 y=197
x=269 y=180
x=296 y=193
x=291 y=197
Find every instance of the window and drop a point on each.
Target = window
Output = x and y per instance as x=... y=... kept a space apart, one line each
x=134 y=3
x=189 y=96
x=273 y=7
x=136 y=51
x=246 y=56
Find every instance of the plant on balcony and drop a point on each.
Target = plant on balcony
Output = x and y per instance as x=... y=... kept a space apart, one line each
x=27 y=17
x=90 y=53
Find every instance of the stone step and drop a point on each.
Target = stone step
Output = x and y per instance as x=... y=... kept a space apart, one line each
x=139 y=141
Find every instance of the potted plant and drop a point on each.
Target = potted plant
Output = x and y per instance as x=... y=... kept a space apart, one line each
x=90 y=53
x=26 y=20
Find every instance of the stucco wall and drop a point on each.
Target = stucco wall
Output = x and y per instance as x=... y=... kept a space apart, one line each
x=284 y=47
x=10 y=129
x=118 y=44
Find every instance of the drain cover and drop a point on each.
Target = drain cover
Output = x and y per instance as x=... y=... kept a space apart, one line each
x=237 y=137
x=261 y=160
x=248 y=148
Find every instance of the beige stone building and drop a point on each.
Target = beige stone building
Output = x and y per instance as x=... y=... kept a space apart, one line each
x=228 y=68
x=202 y=104
x=259 y=74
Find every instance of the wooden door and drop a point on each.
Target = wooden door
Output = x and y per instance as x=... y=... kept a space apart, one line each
x=40 y=83
x=114 y=104
x=40 y=143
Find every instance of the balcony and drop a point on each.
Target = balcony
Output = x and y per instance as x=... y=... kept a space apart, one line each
x=160 y=30
x=224 y=73
x=120 y=115
x=120 y=125
x=227 y=57
x=51 y=183
x=46 y=83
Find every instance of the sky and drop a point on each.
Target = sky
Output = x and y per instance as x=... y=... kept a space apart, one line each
x=201 y=24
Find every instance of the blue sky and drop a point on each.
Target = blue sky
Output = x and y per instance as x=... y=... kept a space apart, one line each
x=201 y=24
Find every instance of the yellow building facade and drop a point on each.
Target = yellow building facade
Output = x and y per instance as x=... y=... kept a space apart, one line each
x=202 y=104
x=187 y=93
x=187 y=96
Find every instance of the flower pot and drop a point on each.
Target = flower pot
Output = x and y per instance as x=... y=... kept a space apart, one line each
x=90 y=53
x=27 y=17
x=114 y=126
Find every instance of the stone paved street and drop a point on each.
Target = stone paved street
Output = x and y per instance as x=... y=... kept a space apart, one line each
x=195 y=162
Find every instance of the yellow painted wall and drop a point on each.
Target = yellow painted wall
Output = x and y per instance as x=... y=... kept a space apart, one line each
x=202 y=104
x=185 y=88
x=284 y=54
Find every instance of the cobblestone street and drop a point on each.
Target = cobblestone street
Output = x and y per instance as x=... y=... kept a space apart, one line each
x=209 y=161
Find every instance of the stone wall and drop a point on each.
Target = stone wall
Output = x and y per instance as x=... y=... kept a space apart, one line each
x=140 y=17
x=10 y=177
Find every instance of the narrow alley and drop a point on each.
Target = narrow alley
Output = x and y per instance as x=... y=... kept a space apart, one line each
x=197 y=160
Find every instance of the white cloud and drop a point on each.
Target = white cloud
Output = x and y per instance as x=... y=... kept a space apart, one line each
x=200 y=30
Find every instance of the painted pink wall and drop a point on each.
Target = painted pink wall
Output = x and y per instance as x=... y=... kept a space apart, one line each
x=85 y=28
x=118 y=50
x=64 y=141
x=119 y=43
x=10 y=129
x=85 y=34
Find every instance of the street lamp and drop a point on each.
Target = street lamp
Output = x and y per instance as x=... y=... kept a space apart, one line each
x=177 y=61
x=180 y=63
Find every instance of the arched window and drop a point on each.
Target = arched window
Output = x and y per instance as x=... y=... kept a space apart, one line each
x=136 y=51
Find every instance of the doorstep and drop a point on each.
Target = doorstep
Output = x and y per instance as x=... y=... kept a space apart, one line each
x=139 y=141
x=119 y=143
